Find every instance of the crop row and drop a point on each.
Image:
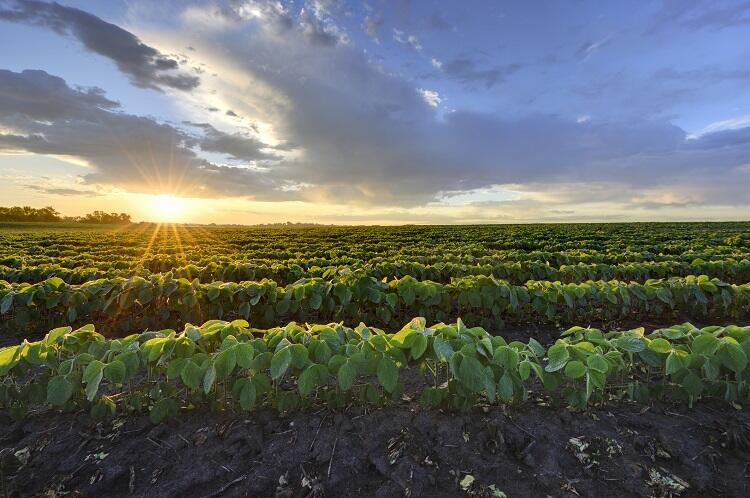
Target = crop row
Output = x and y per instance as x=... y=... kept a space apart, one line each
x=227 y=365
x=159 y=262
x=165 y=301
x=730 y=270
x=164 y=248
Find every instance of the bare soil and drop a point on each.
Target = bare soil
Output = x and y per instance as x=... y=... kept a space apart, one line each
x=624 y=449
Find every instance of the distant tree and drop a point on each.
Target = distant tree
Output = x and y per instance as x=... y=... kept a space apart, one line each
x=28 y=213
x=106 y=218
x=50 y=214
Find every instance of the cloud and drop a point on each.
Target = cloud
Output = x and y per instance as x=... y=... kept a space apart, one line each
x=725 y=124
x=145 y=66
x=587 y=49
x=466 y=70
x=67 y=192
x=238 y=146
x=366 y=137
x=406 y=39
x=40 y=113
x=319 y=30
x=431 y=97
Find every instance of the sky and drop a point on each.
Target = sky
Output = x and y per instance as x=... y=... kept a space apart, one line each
x=382 y=112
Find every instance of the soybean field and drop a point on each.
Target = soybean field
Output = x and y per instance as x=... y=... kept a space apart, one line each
x=588 y=359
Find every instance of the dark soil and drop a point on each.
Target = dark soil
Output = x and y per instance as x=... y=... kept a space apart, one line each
x=529 y=450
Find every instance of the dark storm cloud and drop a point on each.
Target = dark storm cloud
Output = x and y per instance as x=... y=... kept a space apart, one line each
x=144 y=65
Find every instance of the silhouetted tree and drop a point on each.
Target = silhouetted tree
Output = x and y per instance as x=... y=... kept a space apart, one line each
x=27 y=213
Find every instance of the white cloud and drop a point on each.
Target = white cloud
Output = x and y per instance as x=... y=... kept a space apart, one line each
x=726 y=124
x=405 y=39
x=431 y=97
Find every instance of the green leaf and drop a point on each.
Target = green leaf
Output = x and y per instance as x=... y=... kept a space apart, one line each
x=471 y=373
x=575 y=369
x=225 y=361
x=404 y=338
x=115 y=372
x=660 y=345
x=6 y=303
x=163 y=409
x=306 y=381
x=596 y=379
x=346 y=375
x=9 y=358
x=208 y=378
x=315 y=301
x=506 y=357
x=442 y=349
x=247 y=396
x=630 y=344
x=692 y=384
x=597 y=362
x=419 y=346
x=282 y=306
x=674 y=363
x=711 y=369
x=59 y=390
x=732 y=355
x=664 y=295
x=505 y=387
x=321 y=351
x=92 y=371
x=72 y=314
x=55 y=334
x=245 y=353
x=431 y=397
x=280 y=362
x=387 y=373
x=536 y=348
x=705 y=344
x=191 y=374
x=244 y=310
x=103 y=407
x=174 y=367
x=557 y=356
x=524 y=369
x=299 y=355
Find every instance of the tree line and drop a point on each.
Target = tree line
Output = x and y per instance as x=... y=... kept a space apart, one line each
x=50 y=214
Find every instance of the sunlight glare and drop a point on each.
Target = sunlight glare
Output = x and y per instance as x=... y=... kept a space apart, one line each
x=168 y=208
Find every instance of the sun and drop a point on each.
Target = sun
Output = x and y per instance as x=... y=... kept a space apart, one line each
x=168 y=208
